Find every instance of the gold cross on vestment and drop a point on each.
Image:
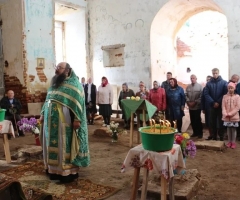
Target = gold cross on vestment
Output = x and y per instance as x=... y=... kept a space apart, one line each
x=54 y=141
x=55 y=108
x=54 y=125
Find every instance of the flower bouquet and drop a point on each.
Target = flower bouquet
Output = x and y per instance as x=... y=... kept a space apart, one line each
x=188 y=147
x=31 y=125
x=115 y=131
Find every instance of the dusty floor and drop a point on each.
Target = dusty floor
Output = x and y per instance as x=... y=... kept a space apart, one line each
x=220 y=171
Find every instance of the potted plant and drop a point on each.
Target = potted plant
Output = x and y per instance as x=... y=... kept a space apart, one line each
x=31 y=125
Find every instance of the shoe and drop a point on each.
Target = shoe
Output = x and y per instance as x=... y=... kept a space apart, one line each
x=233 y=146
x=229 y=144
x=194 y=135
x=75 y=176
x=209 y=138
x=67 y=179
x=54 y=177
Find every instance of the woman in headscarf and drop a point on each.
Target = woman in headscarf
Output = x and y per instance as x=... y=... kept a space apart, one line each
x=126 y=92
x=157 y=96
x=104 y=100
x=175 y=103
x=143 y=93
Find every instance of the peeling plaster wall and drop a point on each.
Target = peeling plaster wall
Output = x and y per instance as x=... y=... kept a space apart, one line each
x=39 y=43
x=11 y=14
x=129 y=23
x=232 y=9
x=172 y=16
x=39 y=40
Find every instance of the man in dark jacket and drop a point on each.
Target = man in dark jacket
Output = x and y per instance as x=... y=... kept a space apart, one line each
x=13 y=107
x=90 y=100
x=165 y=84
x=214 y=91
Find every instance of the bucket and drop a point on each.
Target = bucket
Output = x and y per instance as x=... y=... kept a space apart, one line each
x=156 y=141
x=2 y=114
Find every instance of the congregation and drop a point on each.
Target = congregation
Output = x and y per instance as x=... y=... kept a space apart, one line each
x=218 y=101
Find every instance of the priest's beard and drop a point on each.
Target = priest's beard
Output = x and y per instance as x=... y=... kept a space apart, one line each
x=57 y=80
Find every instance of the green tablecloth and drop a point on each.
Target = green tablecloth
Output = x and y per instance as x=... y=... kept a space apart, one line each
x=131 y=106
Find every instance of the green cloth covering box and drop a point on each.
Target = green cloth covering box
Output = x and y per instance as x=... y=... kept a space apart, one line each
x=131 y=106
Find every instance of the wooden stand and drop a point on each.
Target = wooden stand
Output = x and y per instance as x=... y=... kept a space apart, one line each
x=138 y=125
x=145 y=185
x=6 y=148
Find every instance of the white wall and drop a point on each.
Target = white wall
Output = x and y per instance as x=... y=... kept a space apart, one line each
x=39 y=42
x=232 y=9
x=11 y=14
x=75 y=40
x=129 y=23
x=206 y=34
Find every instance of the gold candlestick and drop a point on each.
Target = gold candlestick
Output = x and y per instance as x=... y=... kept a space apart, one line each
x=168 y=125
x=150 y=121
x=175 y=124
x=154 y=125
x=161 y=125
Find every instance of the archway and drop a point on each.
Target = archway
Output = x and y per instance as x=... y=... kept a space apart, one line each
x=165 y=26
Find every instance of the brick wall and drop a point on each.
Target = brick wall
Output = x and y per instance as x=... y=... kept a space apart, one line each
x=21 y=92
x=182 y=48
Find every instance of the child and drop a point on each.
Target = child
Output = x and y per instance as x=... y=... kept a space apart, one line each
x=230 y=115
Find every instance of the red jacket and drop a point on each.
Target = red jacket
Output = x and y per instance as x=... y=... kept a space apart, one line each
x=158 y=98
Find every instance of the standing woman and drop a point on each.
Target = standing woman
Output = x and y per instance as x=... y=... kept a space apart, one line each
x=157 y=96
x=143 y=93
x=104 y=100
x=175 y=103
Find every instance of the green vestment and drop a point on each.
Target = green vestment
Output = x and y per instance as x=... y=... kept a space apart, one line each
x=66 y=148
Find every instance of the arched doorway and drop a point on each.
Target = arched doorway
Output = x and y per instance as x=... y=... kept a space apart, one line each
x=163 y=37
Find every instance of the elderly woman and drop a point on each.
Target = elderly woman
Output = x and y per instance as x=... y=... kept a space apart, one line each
x=157 y=96
x=126 y=92
x=104 y=100
x=143 y=93
x=175 y=103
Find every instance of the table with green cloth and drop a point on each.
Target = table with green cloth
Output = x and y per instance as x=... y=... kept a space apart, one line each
x=144 y=110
